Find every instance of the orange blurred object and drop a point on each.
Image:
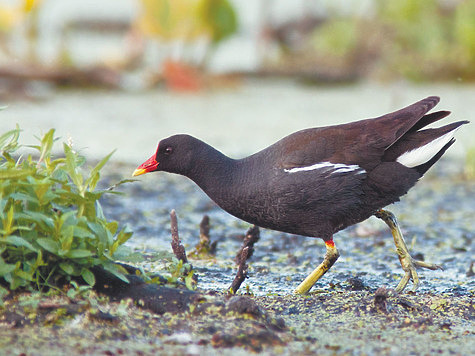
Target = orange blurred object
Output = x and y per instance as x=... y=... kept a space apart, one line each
x=181 y=77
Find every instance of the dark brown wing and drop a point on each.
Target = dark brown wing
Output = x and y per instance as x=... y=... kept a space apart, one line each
x=360 y=142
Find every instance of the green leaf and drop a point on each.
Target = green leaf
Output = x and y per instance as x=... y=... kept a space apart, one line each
x=104 y=236
x=72 y=167
x=12 y=138
x=88 y=276
x=112 y=227
x=7 y=222
x=44 y=192
x=67 y=238
x=19 y=242
x=49 y=245
x=125 y=254
x=67 y=218
x=189 y=281
x=113 y=248
x=117 y=271
x=46 y=145
x=94 y=176
x=39 y=260
x=24 y=197
x=79 y=253
x=99 y=211
x=124 y=235
x=6 y=268
x=16 y=173
x=82 y=233
x=24 y=275
x=42 y=220
x=67 y=267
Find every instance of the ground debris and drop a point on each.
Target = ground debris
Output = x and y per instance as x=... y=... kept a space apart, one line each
x=256 y=340
x=380 y=298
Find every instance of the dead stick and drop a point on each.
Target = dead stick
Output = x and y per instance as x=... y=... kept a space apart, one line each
x=177 y=247
x=204 y=230
x=205 y=246
x=246 y=251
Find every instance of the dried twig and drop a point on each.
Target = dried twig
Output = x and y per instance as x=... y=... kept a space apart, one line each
x=246 y=251
x=204 y=230
x=177 y=247
x=204 y=248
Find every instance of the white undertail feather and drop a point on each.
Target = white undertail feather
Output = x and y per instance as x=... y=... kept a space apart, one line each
x=423 y=154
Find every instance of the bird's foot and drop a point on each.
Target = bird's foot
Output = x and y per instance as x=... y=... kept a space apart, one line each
x=408 y=263
x=330 y=258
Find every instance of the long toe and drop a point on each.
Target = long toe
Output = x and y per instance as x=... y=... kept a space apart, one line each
x=423 y=264
x=403 y=282
x=409 y=265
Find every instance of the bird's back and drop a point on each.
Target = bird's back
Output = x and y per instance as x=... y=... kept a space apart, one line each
x=317 y=181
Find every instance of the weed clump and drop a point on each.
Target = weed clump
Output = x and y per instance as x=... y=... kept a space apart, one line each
x=52 y=227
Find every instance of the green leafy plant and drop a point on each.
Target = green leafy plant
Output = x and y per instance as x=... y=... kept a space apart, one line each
x=52 y=227
x=178 y=270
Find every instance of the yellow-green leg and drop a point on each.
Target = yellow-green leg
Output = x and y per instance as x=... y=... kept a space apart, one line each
x=330 y=258
x=407 y=262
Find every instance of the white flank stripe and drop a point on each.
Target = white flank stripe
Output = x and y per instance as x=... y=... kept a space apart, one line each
x=423 y=154
x=337 y=167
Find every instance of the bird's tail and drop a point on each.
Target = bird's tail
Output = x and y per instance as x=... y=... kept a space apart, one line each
x=420 y=149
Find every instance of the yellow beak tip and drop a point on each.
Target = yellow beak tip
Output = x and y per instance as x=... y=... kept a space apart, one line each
x=138 y=172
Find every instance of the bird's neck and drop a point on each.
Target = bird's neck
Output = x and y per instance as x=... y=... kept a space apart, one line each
x=213 y=171
x=230 y=183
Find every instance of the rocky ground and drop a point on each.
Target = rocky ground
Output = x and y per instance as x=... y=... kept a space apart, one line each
x=351 y=311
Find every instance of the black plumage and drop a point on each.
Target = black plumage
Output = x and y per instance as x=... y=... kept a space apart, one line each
x=316 y=181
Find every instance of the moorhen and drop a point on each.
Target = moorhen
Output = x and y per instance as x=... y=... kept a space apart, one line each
x=318 y=181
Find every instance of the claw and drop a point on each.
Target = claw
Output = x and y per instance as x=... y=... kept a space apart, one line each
x=407 y=262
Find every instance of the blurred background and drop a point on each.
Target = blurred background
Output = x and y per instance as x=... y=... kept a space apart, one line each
x=240 y=74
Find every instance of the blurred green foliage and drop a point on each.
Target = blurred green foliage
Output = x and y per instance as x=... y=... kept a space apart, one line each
x=52 y=227
x=337 y=37
x=429 y=39
x=469 y=168
x=418 y=40
x=220 y=18
x=188 y=19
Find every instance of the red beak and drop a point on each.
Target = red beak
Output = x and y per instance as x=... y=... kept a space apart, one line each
x=148 y=166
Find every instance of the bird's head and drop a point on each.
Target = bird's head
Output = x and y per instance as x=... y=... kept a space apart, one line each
x=174 y=154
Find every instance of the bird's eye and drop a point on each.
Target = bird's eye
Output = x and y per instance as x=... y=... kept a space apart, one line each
x=168 y=150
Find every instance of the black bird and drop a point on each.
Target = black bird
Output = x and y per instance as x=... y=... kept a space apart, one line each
x=318 y=181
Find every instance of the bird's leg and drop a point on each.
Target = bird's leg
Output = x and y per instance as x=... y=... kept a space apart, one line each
x=407 y=262
x=330 y=258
